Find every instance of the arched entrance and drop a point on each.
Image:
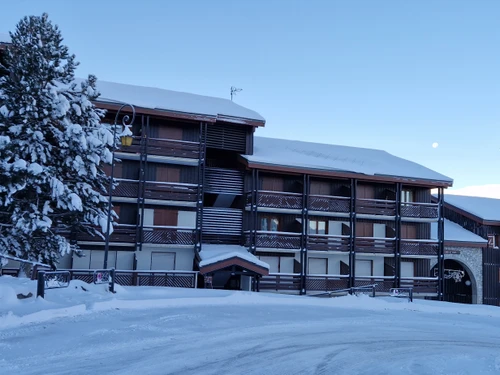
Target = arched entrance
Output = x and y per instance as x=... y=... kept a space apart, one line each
x=458 y=283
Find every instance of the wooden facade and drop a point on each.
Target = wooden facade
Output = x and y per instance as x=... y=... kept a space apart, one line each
x=489 y=230
x=315 y=230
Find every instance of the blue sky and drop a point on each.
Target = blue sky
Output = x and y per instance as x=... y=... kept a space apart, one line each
x=393 y=75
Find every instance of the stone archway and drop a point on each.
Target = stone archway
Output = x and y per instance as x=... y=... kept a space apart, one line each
x=461 y=289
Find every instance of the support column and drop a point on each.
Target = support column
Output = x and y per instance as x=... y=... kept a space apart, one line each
x=303 y=237
x=441 y=243
x=201 y=179
x=143 y=158
x=397 y=247
x=352 y=239
x=254 y=208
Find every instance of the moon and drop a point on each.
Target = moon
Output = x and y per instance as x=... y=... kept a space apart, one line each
x=435 y=145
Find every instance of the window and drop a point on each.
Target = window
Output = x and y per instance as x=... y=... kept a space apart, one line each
x=270 y=224
x=406 y=196
x=318 y=266
x=162 y=261
x=317 y=227
x=407 y=269
x=364 y=268
x=278 y=264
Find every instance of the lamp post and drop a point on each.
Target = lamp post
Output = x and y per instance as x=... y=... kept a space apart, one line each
x=127 y=140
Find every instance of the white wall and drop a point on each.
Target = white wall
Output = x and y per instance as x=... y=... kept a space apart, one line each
x=186 y=219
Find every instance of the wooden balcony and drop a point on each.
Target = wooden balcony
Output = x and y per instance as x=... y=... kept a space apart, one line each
x=417 y=210
x=326 y=283
x=275 y=240
x=165 y=147
x=172 y=191
x=376 y=207
x=327 y=203
x=419 y=247
x=375 y=245
x=169 y=235
x=155 y=235
x=427 y=285
x=123 y=234
x=281 y=282
x=325 y=242
x=277 y=199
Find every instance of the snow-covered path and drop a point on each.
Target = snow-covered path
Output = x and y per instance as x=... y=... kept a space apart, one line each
x=243 y=333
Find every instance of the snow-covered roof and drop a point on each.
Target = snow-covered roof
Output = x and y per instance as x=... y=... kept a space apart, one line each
x=175 y=101
x=211 y=254
x=484 y=208
x=4 y=38
x=455 y=233
x=334 y=158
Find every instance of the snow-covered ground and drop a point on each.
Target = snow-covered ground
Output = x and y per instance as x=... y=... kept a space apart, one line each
x=142 y=330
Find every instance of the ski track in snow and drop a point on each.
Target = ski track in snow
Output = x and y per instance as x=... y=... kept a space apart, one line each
x=259 y=339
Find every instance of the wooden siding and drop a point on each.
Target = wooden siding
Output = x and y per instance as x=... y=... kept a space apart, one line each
x=175 y=130
x=223 y=181
x=491 y=276
x=470 y=224
x=228 y=137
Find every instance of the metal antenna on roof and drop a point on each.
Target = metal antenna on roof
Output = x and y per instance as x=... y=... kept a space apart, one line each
x=234 y=90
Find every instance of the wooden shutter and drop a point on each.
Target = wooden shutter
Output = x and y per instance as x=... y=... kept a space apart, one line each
x=168 y=174
x=364 y=229
x=408 y=231
x=166 y=217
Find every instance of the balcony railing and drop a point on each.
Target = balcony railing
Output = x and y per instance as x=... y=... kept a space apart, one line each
x=173 y=191
x=375 y=245
x=177 y=279
x=120 y=234
x=376 y=207
x=327 y=203
x=325 y=242
x=281 y=281
x=276 y=240
x=420 y=210
x=165 y=147
x=126 y=233
x=382 y=283
x=277 y=199
x=419 y=247
x=326 y=283
x=168 y=235
x=421 y=284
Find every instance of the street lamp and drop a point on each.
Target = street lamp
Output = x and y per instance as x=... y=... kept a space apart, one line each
x=126 y=140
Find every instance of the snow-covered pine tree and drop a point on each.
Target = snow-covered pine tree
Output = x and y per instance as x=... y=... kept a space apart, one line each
x=52 y=147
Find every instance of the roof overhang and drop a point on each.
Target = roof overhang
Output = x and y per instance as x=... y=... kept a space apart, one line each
x=467 y=214
x=234 y=263
x=465 y=244
x=341 y=174
x=111 y=106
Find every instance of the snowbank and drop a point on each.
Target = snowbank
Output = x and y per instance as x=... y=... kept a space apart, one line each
x=82 y=298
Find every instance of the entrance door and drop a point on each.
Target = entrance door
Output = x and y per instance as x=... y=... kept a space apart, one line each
x=456 y=289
